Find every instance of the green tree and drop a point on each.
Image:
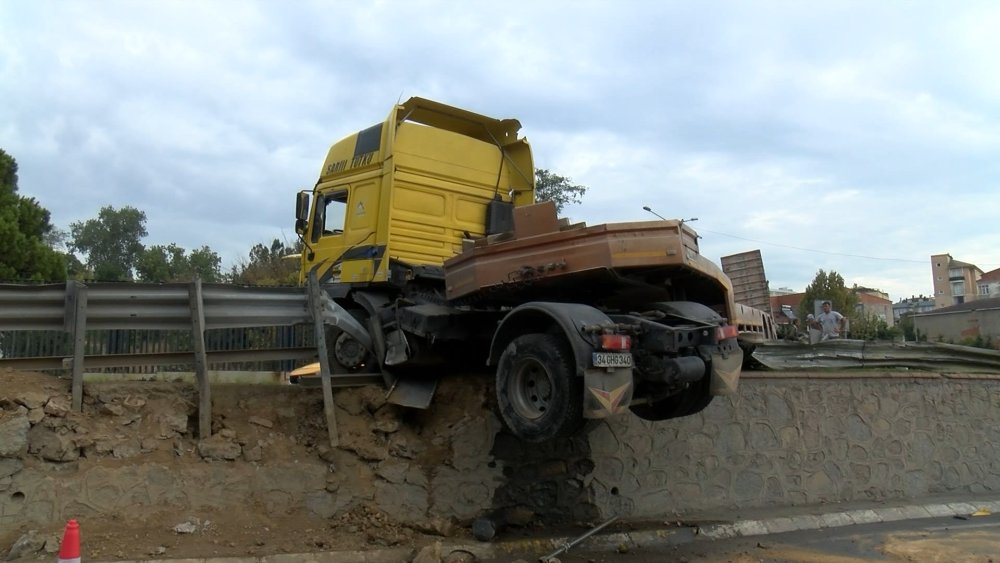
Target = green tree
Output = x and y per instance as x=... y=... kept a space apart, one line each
x=559 y=189
x=172 y=263
x=907 y=327
x=872 y=327
x=160 y=263
x=268 y=265
x=829 y=287
x=112 y=242
x=206 y=263
x=24 y=231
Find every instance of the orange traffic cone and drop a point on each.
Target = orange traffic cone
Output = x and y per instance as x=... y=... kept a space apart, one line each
x=69 y=549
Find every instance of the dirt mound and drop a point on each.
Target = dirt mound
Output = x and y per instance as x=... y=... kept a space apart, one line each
x=131 y=470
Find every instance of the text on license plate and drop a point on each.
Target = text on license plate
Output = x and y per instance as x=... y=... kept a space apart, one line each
x=612 y=360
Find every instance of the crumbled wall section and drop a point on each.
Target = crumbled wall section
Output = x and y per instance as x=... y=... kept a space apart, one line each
x=781 y=442
x=132 y=453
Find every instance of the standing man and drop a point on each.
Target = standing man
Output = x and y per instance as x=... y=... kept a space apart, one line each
x=830 y=322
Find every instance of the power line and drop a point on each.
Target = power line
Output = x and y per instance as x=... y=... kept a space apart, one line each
x=826 y=251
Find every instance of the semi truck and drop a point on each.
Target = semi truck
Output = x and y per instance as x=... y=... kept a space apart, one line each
x=424 y=229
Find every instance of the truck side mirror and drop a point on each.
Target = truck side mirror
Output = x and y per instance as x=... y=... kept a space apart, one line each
x=301 y=212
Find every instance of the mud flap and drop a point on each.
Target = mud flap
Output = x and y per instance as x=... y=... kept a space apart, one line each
x=412 y=392
x=726 y=367
x=607 y=392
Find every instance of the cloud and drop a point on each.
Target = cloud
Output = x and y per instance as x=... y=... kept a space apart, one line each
x=820 y=134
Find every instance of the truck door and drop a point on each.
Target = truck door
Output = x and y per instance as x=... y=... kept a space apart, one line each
x=328 y=232
x=343 y=233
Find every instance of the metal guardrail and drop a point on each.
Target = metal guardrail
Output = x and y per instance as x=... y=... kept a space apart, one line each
x=155 y=306
x=846 y=354
x=76 y=307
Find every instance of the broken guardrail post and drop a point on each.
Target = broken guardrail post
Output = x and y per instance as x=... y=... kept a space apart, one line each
x=316 y=310
x=200 y=359
x=75 y=319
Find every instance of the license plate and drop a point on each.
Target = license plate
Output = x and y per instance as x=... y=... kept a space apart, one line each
x=612 y=360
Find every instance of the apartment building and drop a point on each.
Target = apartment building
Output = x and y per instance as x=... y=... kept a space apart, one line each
x=912 y=305
x=955 y=282
x=988 y=285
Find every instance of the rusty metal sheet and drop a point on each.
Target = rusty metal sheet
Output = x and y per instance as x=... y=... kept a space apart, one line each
x=568 y=253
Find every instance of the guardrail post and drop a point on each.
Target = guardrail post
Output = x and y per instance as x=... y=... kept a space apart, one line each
x=316 y=309
x=200 y=359
x=76 y=324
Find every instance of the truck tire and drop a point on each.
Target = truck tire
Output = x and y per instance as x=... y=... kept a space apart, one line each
x=539 y=396
x=346 y=354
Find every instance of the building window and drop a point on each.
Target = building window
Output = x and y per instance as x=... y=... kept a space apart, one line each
x=984 y=289
x=958 y=288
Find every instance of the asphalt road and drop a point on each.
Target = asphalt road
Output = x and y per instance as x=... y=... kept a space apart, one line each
x=948 y=540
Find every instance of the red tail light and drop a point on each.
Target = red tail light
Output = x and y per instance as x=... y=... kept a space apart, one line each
x=616 y=342
x=726 y=331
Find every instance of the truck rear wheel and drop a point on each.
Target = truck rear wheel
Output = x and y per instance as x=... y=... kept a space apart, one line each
x=538 y=394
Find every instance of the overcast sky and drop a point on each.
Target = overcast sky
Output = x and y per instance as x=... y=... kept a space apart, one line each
x=860 y=137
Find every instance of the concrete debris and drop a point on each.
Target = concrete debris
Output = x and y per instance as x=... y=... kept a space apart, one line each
x=134 y=402
x=429 y=554
x=219 y=448
x=36 y=415
x=126 y=449
x=112 y=409
x=387 y=419
x=52 y=543
x=14 y=428
x=253 y=453
x=52 y=445
x=173 y=422
x=32 y=399
x=437 y=526
x=393 y=470
x=58 y=406
x=28 y=544
x=191 y=526
x=260 y=421
x=460 y=556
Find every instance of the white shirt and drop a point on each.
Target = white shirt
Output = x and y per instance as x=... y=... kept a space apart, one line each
x=831 y=323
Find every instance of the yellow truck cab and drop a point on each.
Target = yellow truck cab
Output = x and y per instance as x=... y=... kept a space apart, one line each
x=396 y=189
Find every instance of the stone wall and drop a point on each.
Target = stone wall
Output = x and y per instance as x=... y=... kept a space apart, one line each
x=797 y=441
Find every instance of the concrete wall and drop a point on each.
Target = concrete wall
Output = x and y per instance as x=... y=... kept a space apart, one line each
x=958 y=325
x=804 y=441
